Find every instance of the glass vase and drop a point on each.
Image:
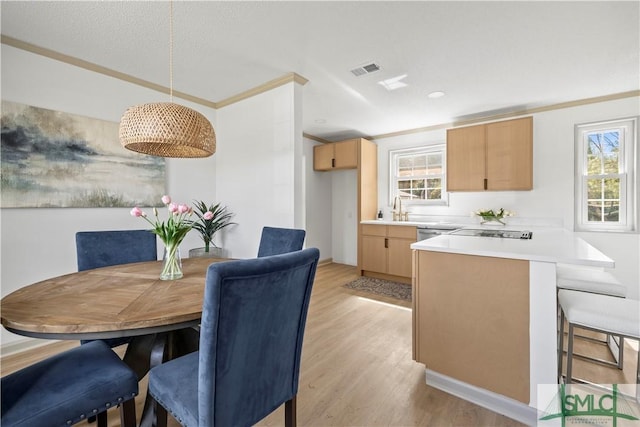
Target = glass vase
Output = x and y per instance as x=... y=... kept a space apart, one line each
x=171 y=264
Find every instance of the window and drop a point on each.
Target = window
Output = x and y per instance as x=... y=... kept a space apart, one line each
x=605 y=181
x=418 y=175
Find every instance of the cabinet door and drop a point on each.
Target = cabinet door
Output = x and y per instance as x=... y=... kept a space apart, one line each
x=399 y=256
x=323 y=157
x=466 y=159
x=374 y=254
x=346 y=154
x=510 y=155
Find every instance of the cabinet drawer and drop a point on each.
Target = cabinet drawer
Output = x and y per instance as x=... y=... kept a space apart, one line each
x=402 y=231
x=374 y=230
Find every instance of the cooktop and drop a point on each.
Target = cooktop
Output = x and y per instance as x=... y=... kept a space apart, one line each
x=505 y=234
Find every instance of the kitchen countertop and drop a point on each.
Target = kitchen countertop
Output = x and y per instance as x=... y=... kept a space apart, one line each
x=412 y=223
x=550 y=245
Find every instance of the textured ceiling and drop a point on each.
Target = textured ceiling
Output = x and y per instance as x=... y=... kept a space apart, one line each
x=486 y=56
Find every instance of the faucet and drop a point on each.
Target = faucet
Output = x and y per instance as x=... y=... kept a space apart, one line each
x=397 y=208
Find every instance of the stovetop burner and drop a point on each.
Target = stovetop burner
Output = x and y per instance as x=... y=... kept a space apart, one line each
x=505 y=234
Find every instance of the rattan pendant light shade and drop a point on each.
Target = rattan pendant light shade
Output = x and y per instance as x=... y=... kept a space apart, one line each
x=167 y=129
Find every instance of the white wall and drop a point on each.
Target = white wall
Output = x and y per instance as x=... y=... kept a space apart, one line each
x=39 y=243
x=255 y=166
x=344 y=216
x=551 y=199
x=318 y=202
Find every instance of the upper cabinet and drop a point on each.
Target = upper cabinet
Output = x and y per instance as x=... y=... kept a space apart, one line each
x=495 y=156
x=336 y=155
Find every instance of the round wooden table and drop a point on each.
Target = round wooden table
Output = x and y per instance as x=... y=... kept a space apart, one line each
x=108 y=302
x=126 y=300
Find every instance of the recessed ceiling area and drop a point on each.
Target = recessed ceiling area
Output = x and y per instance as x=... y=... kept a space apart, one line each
x=486 y=56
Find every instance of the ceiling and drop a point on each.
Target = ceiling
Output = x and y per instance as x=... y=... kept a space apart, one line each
x=488 y=57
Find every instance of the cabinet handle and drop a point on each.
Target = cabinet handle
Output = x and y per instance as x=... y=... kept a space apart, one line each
x=485 y=183
x=386 y=242
x=333 y=163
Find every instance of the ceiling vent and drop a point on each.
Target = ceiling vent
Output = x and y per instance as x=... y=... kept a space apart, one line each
x=368 y=68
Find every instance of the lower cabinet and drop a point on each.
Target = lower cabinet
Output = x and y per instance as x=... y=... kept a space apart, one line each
x=386 y=249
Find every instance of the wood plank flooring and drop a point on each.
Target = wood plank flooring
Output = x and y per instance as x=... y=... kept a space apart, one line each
x=357 y=368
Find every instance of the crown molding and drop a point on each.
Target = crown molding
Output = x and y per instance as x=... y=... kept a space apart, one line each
x=90 y=66
x=272 y=84
x=488 y=118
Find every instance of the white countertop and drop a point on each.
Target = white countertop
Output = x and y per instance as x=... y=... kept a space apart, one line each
x=551 y=245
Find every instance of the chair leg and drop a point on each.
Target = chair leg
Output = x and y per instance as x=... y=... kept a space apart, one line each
x=102 y=419
x=160 y=415
x=128 y=413
x=290 y=412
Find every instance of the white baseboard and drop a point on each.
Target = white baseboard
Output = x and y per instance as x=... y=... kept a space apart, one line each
x=18 y=346
x=503 y=405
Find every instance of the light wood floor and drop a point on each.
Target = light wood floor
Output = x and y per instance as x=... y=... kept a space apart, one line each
x=357 y=368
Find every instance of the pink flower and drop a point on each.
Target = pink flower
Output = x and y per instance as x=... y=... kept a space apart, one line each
x=208 y=215
x=173 y=208
x=137 y=212
x=183 y=208
x=166 y=199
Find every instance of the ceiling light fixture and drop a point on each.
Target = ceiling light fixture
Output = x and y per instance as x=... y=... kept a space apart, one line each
x=393 y=83
x=436 y=94
x=166 y=129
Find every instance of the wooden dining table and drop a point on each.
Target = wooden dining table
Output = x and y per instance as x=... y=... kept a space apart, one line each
x=127 y=300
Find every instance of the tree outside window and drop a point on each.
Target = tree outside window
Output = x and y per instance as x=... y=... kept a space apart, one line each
x=606 y=176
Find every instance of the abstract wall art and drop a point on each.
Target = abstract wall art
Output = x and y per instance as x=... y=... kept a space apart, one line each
x=53 y=159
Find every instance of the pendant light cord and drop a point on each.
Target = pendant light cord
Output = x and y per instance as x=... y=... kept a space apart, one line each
x=171 y=51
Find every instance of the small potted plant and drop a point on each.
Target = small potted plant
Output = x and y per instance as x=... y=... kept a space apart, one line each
x=489 y=215
x=211 y=219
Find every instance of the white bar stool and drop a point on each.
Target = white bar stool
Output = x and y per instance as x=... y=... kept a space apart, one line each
x=600 y=313
x=596 y=282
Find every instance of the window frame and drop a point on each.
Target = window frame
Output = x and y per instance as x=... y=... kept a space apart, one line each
x=393 y=177
x=627 y=173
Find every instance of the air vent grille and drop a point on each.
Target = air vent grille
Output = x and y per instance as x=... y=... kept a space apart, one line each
x=368 y=68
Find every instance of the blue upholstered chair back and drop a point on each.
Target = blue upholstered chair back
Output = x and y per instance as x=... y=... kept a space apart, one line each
x=276 y=241
x=104 y=248
x=253 y=321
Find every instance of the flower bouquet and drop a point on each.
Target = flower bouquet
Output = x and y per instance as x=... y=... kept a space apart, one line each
x=489 y=215
x=171 y=232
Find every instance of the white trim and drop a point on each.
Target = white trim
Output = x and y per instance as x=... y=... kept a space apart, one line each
x=495 y=402
x=628 y=176
x=426 y=149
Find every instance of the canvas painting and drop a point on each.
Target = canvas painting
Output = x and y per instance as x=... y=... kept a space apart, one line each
x=53 y=159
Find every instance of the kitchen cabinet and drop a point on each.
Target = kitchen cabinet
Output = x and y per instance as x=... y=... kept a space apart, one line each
x=336 y=155
x=386 y=251
x=494 y=156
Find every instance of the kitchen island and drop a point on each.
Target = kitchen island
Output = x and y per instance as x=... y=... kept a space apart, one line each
x=485 y=313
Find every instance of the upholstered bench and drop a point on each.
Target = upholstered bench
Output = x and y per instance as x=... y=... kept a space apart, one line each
x=69 y=387
x=600 y=313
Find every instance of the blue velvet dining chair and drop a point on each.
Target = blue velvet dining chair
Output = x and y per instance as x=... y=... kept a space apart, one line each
x=275 y=241
x=95 y=249
x=68 y=388
x=253 y=319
